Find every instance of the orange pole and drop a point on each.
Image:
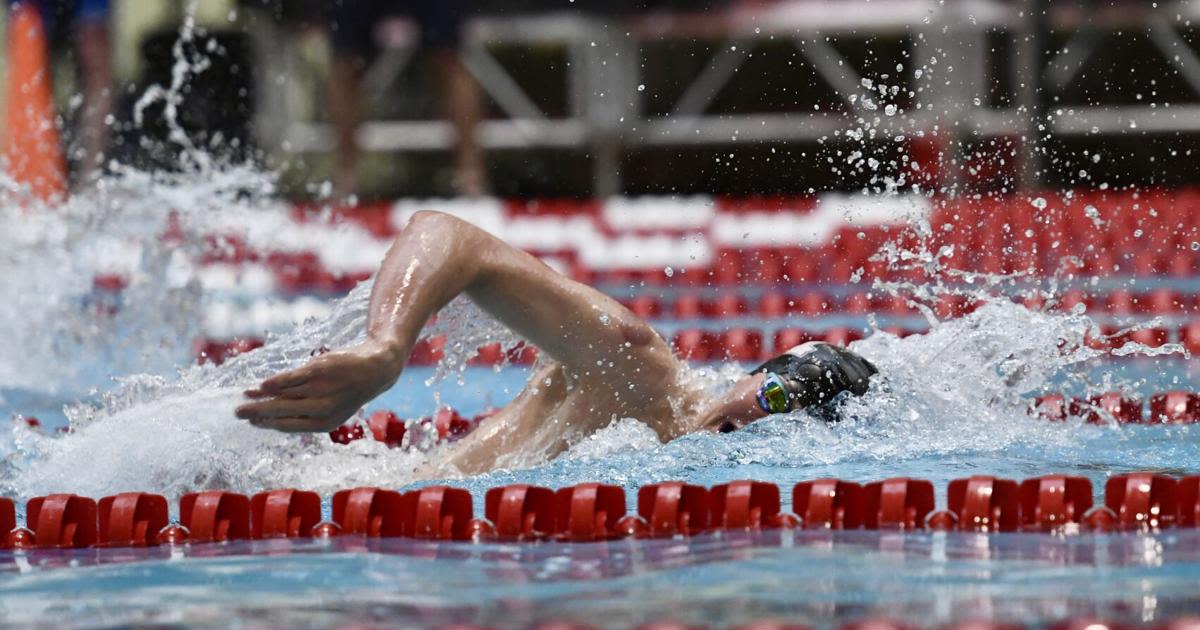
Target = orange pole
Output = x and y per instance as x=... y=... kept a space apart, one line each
x=32 y=151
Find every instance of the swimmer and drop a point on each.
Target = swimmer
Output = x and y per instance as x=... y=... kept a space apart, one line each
x=600 y=362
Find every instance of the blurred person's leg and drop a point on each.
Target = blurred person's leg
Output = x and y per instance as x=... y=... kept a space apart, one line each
x=441 y=23
x=352 y=37
x=94 y=57
x=463 y=104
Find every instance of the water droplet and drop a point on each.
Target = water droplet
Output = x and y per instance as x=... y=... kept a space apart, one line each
x=641 y=87
x=669 y=272
x=1039 y=203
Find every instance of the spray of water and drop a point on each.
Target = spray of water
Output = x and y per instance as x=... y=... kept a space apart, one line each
x=963 y=387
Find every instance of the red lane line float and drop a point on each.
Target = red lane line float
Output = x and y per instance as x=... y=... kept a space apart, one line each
x=1175 y=408
x=771 y=625
x=828 y=504
x=745 y=505
x=8 y=520
x=1142 y=501
x=386 y=427
x=674 y=508
x=372 y=512
x=284 y=513
x=1188 y=493
x=897 y=503
x=62 y=521
x=520 y=512
x=1052 y=502
x=215 y=516
x=594 y=512
x=132 y=519
x=1123 y=409
x=984 y=504
x=440 y=513
x=588 y=512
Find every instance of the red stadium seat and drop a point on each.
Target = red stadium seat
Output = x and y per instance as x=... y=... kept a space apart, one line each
x=727 y=270
x=858 y=304
x=688 y=306
x=741 y=505
x=891 y=304
x=765 y=265
x=727 y=305
x=828 y=504
x=1175 y=408
x=645 y=306
x=1052 y=502
x=740 y=344
x=1073 y=298
x=897 y=503
x=1159 y=302
x=788 y=338
x=799 y=265
x=984 y=504
x=1142 y=501
x=1189 y=336
x=1120 y=302
x=775 y=305
x=1181 y=264
x=813 y=304
x=842 y=336
x=697 y=345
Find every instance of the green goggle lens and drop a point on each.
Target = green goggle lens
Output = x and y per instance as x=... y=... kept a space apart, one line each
x=773 y=396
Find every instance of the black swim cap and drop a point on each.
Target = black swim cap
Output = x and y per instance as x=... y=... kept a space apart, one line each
x=812 y=374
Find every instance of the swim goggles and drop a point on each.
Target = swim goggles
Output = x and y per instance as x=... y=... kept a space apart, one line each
x=775 y=396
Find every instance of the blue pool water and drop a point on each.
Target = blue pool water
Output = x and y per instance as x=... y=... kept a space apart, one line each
x=813 y=577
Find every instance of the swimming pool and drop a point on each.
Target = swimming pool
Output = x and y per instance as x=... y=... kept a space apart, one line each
x=714 y=580
x=954 y=403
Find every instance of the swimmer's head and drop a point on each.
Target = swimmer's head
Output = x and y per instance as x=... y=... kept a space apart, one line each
x=806 y=376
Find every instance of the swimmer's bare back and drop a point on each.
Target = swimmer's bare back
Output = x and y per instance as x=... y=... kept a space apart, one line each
x=606 y=363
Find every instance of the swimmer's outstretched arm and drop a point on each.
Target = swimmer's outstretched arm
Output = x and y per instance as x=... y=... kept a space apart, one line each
x=435 y=258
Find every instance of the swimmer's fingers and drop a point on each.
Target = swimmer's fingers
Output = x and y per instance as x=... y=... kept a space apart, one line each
x=283 y=408
x=293 y=425
x=285 y=380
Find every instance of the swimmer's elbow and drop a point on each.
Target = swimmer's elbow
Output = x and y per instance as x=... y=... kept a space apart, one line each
x=433 y=220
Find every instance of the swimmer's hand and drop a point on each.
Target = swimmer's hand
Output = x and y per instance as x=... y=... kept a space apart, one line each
x=325 y=392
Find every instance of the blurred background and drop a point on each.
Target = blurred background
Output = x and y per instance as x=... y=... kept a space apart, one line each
x=733 y=169
x=582 y=98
